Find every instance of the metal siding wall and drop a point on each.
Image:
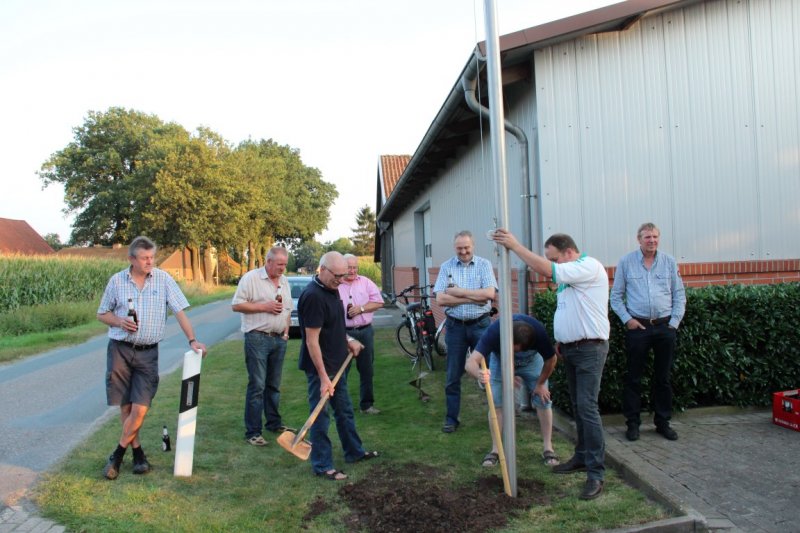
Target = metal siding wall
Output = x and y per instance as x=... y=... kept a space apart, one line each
x=688 y=119
x=776 y=52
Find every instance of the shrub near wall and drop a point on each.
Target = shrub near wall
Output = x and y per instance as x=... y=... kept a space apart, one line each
x=26 y=280
x=736 y=346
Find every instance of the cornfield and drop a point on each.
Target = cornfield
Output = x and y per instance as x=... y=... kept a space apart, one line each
x=27 y=280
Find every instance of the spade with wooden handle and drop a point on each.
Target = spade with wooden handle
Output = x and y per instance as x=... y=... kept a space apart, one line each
x=295 y=444
x=496 y=432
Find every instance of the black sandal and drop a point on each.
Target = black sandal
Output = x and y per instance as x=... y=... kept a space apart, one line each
x=490 y=459
x=369 y=455
x=333 y=475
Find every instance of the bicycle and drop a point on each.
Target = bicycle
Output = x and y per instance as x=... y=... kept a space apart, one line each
x=418 y=322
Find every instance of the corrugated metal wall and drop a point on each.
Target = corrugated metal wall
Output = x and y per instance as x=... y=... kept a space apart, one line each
x=688 y=119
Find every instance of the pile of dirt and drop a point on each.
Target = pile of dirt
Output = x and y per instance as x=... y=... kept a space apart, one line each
x=416 y=497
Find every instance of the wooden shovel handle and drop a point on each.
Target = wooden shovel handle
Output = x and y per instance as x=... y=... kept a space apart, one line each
x=321 y=404
x=501 y=454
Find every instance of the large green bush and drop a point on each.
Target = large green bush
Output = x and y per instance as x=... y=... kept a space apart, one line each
x=736 y=346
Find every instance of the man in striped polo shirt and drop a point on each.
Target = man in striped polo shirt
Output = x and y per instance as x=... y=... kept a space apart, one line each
x=465 y=287
x=134 y=307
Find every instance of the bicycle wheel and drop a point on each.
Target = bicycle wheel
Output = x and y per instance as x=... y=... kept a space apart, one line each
x=439 y=343
x=405 y=340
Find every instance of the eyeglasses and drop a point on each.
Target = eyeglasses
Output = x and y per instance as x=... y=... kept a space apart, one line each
x=337 y=276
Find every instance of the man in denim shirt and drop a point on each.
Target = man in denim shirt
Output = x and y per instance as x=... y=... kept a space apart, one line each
x=649 y=298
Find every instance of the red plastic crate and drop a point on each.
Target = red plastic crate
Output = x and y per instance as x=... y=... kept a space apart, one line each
x=786 y=409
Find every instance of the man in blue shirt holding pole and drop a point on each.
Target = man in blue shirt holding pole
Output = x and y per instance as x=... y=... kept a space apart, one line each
x=649 y=298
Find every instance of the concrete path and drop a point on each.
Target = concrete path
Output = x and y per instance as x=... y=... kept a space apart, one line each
x=730 y=470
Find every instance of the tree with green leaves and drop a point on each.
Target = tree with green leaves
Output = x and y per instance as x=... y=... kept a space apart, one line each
x=364 y=232
x=100 y=172
x=343 y=245
x=54 y=241
x=307 y=255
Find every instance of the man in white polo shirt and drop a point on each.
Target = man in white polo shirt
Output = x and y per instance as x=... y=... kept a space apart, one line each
x=581 y=329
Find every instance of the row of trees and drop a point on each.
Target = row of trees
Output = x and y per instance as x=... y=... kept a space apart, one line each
x=128 y=173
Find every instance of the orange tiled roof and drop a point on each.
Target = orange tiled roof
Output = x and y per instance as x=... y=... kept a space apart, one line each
x=18 y=237
x=392 y=168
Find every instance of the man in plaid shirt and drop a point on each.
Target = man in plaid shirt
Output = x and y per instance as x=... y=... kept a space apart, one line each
x=134 y=307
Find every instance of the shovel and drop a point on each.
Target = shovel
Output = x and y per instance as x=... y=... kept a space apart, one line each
x=295 y=444
x=496 y=431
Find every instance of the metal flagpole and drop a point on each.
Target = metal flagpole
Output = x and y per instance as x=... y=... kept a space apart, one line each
x=498 y=138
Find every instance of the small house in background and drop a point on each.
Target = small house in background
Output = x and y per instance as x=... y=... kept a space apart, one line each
x=18 y=237
x=679 y=112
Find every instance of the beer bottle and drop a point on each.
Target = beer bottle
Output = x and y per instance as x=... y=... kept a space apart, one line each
x=349 y=304
x=165 y=443
x=132 y=311
x=450 y=282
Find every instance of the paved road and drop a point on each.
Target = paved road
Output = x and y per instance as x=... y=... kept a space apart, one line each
x=51 y=402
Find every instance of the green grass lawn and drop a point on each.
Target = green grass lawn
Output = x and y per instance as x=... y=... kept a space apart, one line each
x=238 y=487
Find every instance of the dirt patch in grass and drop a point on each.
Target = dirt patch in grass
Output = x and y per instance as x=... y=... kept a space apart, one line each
x=416 y=497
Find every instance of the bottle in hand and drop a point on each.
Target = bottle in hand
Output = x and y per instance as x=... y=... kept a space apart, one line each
x=132 y=311
x=165 y=442
x=349 y=304
x=450 y=282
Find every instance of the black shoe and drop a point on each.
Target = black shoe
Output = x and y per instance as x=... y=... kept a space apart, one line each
x=141 y=466
x=573 y=465
x=632 y=433
x=111 y=470
x=591 y=489
x=667 y=432
x=449 y=428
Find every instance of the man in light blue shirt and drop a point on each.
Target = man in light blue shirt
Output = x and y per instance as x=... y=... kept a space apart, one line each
x=465 y=288
x=649 y=298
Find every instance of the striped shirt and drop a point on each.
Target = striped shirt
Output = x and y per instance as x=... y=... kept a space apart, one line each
x=477 y=274
x=151 y=302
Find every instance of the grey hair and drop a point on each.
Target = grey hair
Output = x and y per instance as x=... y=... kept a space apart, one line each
x=140 y=243
x=464 y=233
x=647 y=226
x=276 y=250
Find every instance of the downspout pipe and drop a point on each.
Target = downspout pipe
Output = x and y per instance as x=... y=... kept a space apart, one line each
x=469 y=81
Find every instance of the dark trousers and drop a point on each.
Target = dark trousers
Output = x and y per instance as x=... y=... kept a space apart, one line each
x=638 y=342
x=365 y=363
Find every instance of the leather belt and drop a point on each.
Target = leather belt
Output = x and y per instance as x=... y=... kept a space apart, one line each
x=267 y=333
x=468 y=322
x=359 y=328
x=653 y=321
x=139 y=347
x=580 y=342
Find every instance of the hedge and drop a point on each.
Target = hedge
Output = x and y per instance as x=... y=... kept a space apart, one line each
x=736 y=345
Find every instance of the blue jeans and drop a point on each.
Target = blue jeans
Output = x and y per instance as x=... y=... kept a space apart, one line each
x=365 y=363
x=638 y=342
x=459 y=337
x=584 y=366
x=321 y=449
x=263 y=356
x=528 y=366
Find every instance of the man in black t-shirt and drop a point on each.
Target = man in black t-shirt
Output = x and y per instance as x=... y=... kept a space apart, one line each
x=323 y=350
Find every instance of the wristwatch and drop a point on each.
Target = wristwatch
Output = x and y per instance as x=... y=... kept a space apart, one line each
x=362 y=309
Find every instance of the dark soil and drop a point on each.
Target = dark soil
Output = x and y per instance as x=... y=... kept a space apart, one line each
x=416 y=497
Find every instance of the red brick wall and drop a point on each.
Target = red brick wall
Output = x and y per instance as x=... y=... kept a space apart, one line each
x=693 y=274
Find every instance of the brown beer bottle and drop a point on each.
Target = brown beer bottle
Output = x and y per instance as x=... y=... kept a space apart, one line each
x=132 y=311
x=349 y=304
